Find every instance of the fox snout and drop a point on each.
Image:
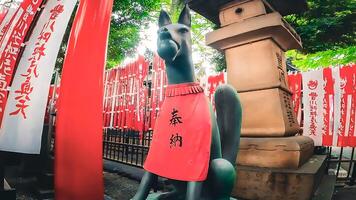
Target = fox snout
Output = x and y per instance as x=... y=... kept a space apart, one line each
x=164 y=34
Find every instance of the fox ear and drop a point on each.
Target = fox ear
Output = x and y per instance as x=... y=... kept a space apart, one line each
x=164 y=19
x=184 y=17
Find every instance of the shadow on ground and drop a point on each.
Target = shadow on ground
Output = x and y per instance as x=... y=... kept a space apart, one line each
x=119 y=187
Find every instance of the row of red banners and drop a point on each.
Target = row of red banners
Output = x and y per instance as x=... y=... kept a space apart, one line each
x=132 y=99
x=326 y=95
x=134 y=93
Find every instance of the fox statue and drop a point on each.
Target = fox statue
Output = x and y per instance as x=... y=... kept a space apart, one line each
x=191 y=147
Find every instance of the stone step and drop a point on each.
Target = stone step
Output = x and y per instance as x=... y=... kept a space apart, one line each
x=50 y=163
x=255 y=183
x=46 y=180
x=45 y=194
x=325 y=190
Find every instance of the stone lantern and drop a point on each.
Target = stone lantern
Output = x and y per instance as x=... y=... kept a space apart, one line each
x=274 y=162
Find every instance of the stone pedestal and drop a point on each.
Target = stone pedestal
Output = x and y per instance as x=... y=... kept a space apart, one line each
x=281 y=153
x=275 y=184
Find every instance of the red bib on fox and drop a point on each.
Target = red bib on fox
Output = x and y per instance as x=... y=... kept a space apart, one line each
x=180 y=147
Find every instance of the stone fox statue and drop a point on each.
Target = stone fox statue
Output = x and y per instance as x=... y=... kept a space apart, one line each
x=190 y=147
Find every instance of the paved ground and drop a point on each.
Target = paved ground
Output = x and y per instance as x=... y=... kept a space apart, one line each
x=345 y=193
x=119 y=187
x=121 y=182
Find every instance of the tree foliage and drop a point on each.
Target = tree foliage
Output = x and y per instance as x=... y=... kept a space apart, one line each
x=328 y=33
x=203 y=55
x=129 y=17
x=327 y=24
x=326 y=58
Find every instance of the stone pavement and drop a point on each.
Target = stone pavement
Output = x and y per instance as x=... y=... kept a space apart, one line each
x=345 y=193
x=121 y=182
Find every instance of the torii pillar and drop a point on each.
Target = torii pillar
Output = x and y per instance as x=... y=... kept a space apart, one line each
x=273 y=163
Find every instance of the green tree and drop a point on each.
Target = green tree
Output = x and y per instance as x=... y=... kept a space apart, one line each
x=202 y=54
x=327 y=24
x=328 y=33
x=129 y=17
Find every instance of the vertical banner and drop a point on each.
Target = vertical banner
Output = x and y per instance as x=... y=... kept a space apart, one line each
x=142 y=97
x=113 y=99
x=117 y=97
x=52 y=99
x=106 y=96
x=3 y=12
x=125 y=96
x=313 y=105
x=345 y=118
x=120 y=100
x=6 y=23
x=352 y=129
x=159 y=83
x=295 y=85
x=11 y=45
x=337 y=104
x=78 y=152
x=213 y=83
x=154 y=92
x=24 y=113
x=328 y=104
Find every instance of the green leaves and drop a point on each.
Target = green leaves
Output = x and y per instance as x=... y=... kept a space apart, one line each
x=326 y=58
x=328 y=33
x=328 y=24
x=129 y=17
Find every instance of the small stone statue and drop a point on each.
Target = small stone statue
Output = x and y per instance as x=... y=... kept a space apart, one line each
x=190 y=146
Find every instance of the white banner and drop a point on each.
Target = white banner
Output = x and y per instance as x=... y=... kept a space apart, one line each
x=24 y=113
x=9 y=13
x=7 y=25
x=313 y=105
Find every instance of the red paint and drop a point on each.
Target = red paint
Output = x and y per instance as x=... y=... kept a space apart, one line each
x=78 y=163
x=327 y=114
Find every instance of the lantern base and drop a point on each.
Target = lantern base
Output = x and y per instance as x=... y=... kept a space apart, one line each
x=155 y=196
x=274 y=184
x=277 y=152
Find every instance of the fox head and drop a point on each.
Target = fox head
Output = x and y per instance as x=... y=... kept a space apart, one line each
x=174 y=40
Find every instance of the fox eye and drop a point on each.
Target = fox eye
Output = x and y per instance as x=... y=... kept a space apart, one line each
x=183 y=30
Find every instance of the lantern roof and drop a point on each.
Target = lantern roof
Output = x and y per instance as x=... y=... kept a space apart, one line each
x=210 y=8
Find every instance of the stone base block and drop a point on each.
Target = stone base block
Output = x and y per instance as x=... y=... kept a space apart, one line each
x=268 y=113
x=156 y=196
x=255 y=183
x=281 y=152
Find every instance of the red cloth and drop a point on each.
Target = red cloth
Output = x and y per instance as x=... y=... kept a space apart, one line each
x=78 y=152
x=180 y=147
